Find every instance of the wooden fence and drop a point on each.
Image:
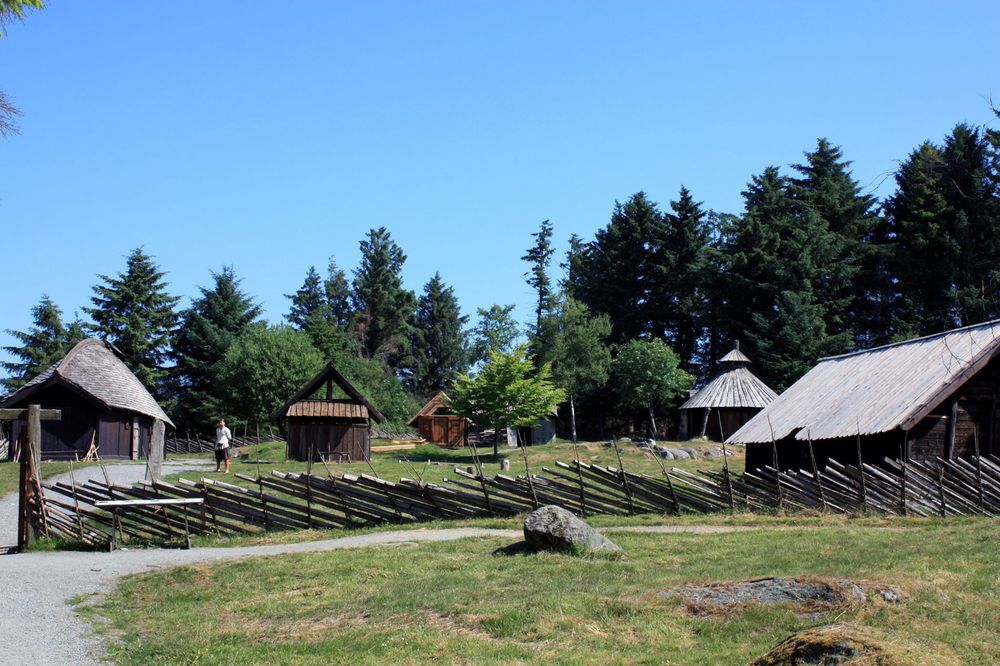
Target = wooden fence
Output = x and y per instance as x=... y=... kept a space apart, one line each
x=188 y=444
x=283 y=501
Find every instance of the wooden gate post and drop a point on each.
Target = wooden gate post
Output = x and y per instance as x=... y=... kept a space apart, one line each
x=30 y=477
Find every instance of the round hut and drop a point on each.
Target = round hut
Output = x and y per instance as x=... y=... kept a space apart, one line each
x=725 y=403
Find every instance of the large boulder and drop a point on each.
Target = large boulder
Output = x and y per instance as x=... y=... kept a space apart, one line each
x=555 y=528
x=826 y=646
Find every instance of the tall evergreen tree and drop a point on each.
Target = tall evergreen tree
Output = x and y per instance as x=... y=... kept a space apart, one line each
x=538 y=256
x=383 y=307
x=134 y=312
x=612 y=272
x=337 y=290
x=207 y=330
x=308 y=300
x=437 y=354
x=676 y=277
x=45 y=342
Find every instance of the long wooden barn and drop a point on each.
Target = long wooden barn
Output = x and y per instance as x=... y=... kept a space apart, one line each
x=726 y=402
x=438 y=424
x=922 y=399
x=103 y=406
x=329 y=428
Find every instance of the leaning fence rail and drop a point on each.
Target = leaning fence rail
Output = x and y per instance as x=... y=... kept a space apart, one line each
x=103 y=514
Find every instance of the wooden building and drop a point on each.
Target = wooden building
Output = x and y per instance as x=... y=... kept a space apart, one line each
x=438 y=424
x=102 y=403
x=726 y=402
x=329 y=428
x=921 y=399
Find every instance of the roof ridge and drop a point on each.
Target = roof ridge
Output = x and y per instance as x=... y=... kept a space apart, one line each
x=984 y=324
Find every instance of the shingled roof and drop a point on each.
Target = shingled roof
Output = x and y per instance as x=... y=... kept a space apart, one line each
x=735 y=387
x=875 y=390
x=94 y=368
x=438 y=401
x=327 y=374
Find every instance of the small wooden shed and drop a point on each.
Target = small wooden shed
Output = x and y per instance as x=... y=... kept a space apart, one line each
x=329 y=428
x=921 y=399
x=102 y=403
x=726 y=402
x=438 y=424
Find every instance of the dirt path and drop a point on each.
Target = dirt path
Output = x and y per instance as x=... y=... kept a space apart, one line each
x=39 y=627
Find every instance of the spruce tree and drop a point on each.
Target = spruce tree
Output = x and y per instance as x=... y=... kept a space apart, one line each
x=45 y=342
x=612 y=272
x=383 y=307
x=538 y=256
x=134 y=312
x=337 y=290
x=207 y=330
x=437 y=354
x=308 y=300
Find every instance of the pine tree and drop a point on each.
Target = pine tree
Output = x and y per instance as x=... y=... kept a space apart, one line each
x=677 y=276
x=538 y=257
x=134 y=312
x=437 y=354
x=337 y=291
x=383 y=307
x=207 y=330
x=308 y=300
x=612 y=272
x=43 y=344
x=496 y=331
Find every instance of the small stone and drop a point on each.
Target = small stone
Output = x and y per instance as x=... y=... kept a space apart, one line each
x=891 y=594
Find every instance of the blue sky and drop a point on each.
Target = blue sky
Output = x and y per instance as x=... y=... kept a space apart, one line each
x=271 y=136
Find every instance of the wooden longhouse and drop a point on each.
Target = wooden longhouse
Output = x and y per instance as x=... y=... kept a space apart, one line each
x=103 y=404
x=727 y=402
x=329 y=428
x=437 y=423
x=922 y=399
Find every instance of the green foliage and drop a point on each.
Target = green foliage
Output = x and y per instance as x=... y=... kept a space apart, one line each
x=307 y=301
x=383 y=307
x=263 y=368
x=44 y=343
x=134 y=312
x=538 y=257
x=647 y=374
x=507 y=391
x=15 y=10
x=380 y=385
x=496 y=331
x=437 y=351
x=207 y=330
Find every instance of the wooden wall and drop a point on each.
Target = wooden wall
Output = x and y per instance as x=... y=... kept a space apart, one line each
x=328 y=437
x=444 y=429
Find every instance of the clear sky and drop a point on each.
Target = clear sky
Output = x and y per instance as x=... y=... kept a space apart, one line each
x=272 y=135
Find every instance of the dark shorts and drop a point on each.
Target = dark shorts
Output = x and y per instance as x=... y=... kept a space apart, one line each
x=221 y=454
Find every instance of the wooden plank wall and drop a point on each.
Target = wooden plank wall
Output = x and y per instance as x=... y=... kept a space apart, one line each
x=329 y=439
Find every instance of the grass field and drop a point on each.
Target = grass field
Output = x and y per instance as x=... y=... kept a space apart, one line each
x=9 y=473
x=458 y=603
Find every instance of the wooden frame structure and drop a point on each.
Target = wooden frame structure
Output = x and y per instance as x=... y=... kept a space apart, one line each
x=437 y=423
x=328 y=428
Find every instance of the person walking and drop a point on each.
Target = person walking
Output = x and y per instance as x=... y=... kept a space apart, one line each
x=222 y=439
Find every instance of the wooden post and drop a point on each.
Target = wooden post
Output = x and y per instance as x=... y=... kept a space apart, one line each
x=135 y=438
x=30 y=469
x=725 y=461
x=816 y=476
x=904 y=453
x=154 y=458
x=949 y=444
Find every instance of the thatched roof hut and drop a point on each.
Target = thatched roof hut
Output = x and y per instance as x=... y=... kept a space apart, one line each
x=102 y=403
x=727 y=401
x=929 y=397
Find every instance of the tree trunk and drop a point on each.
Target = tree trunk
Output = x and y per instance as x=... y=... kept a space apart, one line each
x=652 y=423
x=496 y=442
x=572 y=416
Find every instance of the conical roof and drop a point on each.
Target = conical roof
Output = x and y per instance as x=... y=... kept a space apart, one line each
x=735 y=386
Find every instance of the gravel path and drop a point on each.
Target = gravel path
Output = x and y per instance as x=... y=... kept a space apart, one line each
x=39 y=627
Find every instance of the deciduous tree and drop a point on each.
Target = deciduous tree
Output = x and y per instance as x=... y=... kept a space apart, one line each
x=648 y=375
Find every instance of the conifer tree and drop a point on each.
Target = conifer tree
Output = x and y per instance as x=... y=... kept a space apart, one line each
x=337 y=290
x=134 y=312
x=308 y=300
x=207 y=330
x=437 y=354
x=383 y=307
x=538 y=256
x=45 y=342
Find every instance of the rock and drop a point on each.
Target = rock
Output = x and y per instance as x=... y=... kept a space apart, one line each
x=891 y=594
x=712 y=453
x=832 y=644
x=555 y=528
x=679 y=454
x=809 y=593
x=691 y=452
x=625 y=440
x=665 y=454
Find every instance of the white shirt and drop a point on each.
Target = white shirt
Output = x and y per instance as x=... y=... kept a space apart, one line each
x=222 y=437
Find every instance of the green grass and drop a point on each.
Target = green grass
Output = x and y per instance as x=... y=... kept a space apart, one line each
x=9 y=472
x=457 y=603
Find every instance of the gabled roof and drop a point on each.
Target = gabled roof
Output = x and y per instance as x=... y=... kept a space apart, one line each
x=438 y=401
x=736 y=387
x=329 y=373
x=875 y=390
x=94 y=368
